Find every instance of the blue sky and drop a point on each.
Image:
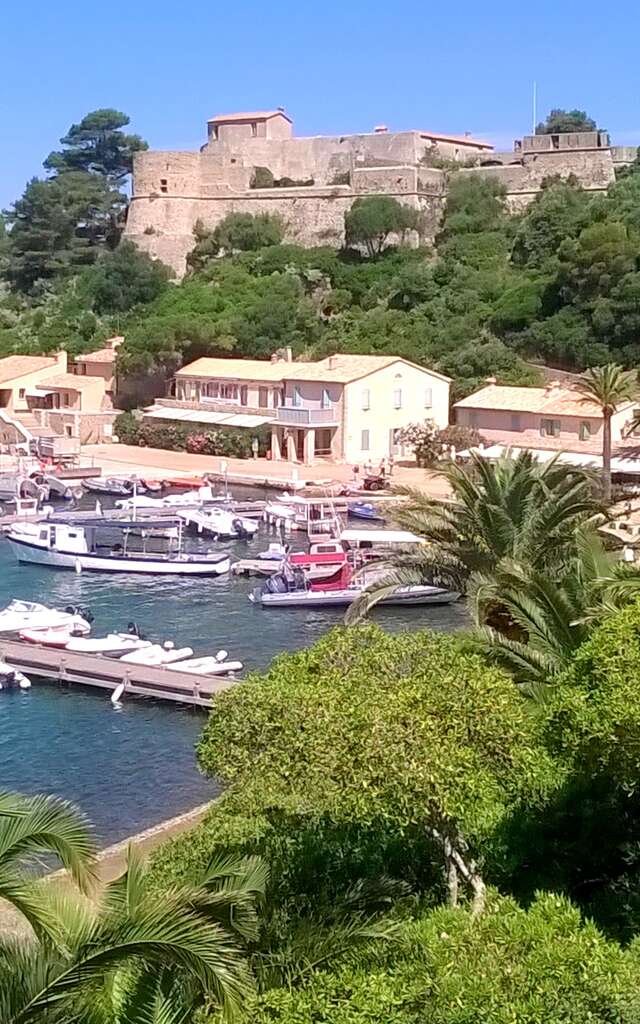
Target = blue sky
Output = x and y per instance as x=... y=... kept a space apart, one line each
x=337 y=67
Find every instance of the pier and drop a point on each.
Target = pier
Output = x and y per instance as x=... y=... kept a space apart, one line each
x=97 y=670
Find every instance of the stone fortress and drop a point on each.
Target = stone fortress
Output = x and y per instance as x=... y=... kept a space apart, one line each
x=253 y=163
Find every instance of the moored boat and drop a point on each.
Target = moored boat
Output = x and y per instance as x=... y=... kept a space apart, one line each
x=108 y=485
x=206 y=666
x=113 y=643
x=365 y=510
x=158 y=654
x=19 y=615
x=219 y=523
x=292 y=588
x=87 y=546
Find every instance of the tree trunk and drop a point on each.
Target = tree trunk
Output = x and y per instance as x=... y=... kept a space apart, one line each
x=457 y=866
x=606 y=457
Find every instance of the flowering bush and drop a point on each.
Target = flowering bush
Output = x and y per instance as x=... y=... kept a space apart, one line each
x=429 y=443
x=177 y=437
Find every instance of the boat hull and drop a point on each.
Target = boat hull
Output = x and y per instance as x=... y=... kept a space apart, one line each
x=343 y=598
x=55 y=559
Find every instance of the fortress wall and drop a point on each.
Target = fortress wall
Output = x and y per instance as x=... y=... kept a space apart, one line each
x=594 y=169
x=311 y=217
x=388 y=180
x=181 y=171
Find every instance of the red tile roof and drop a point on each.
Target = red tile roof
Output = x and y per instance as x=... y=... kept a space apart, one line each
x=255 y=115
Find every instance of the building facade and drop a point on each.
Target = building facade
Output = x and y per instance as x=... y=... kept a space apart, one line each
x=346 y=408
x=553 y=418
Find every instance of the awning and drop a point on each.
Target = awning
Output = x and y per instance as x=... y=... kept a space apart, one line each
x=619 y=464
x=38 y=392
x=219 y=419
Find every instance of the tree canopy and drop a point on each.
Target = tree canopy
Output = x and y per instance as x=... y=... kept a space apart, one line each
x=559 y=120
x=99 y=146
x=372 y=219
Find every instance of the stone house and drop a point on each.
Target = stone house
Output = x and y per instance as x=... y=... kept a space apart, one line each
x=101 y=363
x=551 y=418
x=345 y=408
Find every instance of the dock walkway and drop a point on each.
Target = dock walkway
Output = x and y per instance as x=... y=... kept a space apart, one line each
x=97 y=670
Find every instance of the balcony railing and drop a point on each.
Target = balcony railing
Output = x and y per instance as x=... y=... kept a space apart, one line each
x=289 y=416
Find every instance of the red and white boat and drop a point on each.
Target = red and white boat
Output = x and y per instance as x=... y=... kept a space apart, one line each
x=55 y=636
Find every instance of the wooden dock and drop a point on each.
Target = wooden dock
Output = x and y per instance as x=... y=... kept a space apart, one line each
x=256 y=566
x=96 y=670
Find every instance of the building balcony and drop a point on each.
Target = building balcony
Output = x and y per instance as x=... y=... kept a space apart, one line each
x=288 y=416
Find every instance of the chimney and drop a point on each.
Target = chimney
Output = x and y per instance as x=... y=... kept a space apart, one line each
x=61 y=360
x=380 y=129
x=288 y=355
x=490 y=380
x=332 y=362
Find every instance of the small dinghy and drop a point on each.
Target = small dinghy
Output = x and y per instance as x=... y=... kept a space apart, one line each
x=108 y=485
x=207 y=666
x=114 y=643
x=274 y=553
x=20 y=615
x=56 y=636
x=365 y=510
x=219 y=524
x=10 y=677
x=158 y=654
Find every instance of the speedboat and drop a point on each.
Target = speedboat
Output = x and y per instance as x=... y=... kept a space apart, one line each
x=188 y=499
x=365 y=510
x=10 y=676
x=20 y=615
x=291 y=588
x=158 y=654
x=114 y=643
x=219 y=523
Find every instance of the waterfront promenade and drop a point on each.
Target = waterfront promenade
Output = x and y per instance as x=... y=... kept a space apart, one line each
x=122 y=459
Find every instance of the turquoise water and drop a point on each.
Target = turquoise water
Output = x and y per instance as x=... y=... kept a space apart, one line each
x=129 y=768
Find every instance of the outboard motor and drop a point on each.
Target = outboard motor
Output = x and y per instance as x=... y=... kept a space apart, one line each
x=84 y=613
x=239 y=528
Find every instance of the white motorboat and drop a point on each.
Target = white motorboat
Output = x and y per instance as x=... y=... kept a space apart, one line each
x=207 y=666
x=219 y=523
x=10 y=676
x=114 y=643
x=196 y=498
x=54 y=636
x=158 y=654
x=21 y=615
x=291 y=588
x=87 y=546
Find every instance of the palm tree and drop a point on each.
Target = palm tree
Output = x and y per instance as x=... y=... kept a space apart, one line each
x=607 y=387
x=35 y=825
x=141 y=955
x=551 y=617
x=515 y=509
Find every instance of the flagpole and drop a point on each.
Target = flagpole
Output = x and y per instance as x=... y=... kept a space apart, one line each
x=535 y=98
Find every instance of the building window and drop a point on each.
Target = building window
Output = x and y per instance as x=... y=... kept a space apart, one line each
x=549 y=428
x=326 y=399
x=164 y=185
x=254 y=129
x=263 y=398
x=244 y=395
x=364 y=441
x=216 y=389
x=585 y=430
x=68 y=429
x=428 y=398
x=366 y=399
x=22 y=393
x=515 y=421
x=297 y=397
x=397 y=398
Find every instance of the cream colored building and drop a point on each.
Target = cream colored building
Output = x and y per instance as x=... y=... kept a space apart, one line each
x=552 y=418
x=345 y=408
x=39 y=397
x=101 y=363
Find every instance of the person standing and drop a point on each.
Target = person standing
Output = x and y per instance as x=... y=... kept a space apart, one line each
x=255 y=447
x=390 y=464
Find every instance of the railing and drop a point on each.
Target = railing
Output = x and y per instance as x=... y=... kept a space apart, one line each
x=287 y=414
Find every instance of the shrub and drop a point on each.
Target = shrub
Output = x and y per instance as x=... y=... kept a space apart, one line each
x=178 y=437
x=262 y=178
x=430 y=444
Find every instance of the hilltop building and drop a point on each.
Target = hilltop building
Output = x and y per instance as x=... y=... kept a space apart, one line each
x=253 y=163
x=346 y=408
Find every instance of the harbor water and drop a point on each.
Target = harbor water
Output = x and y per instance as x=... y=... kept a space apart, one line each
x=131 y=767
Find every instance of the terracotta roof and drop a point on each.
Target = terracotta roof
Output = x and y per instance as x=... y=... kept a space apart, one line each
x=68 y=382
x=339 y=369
x=465 y=140
x=101 y=355
x=252 y=115
x=12 y=367
x=559 y=401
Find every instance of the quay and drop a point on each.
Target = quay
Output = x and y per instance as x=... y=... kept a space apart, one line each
x=96 y=670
